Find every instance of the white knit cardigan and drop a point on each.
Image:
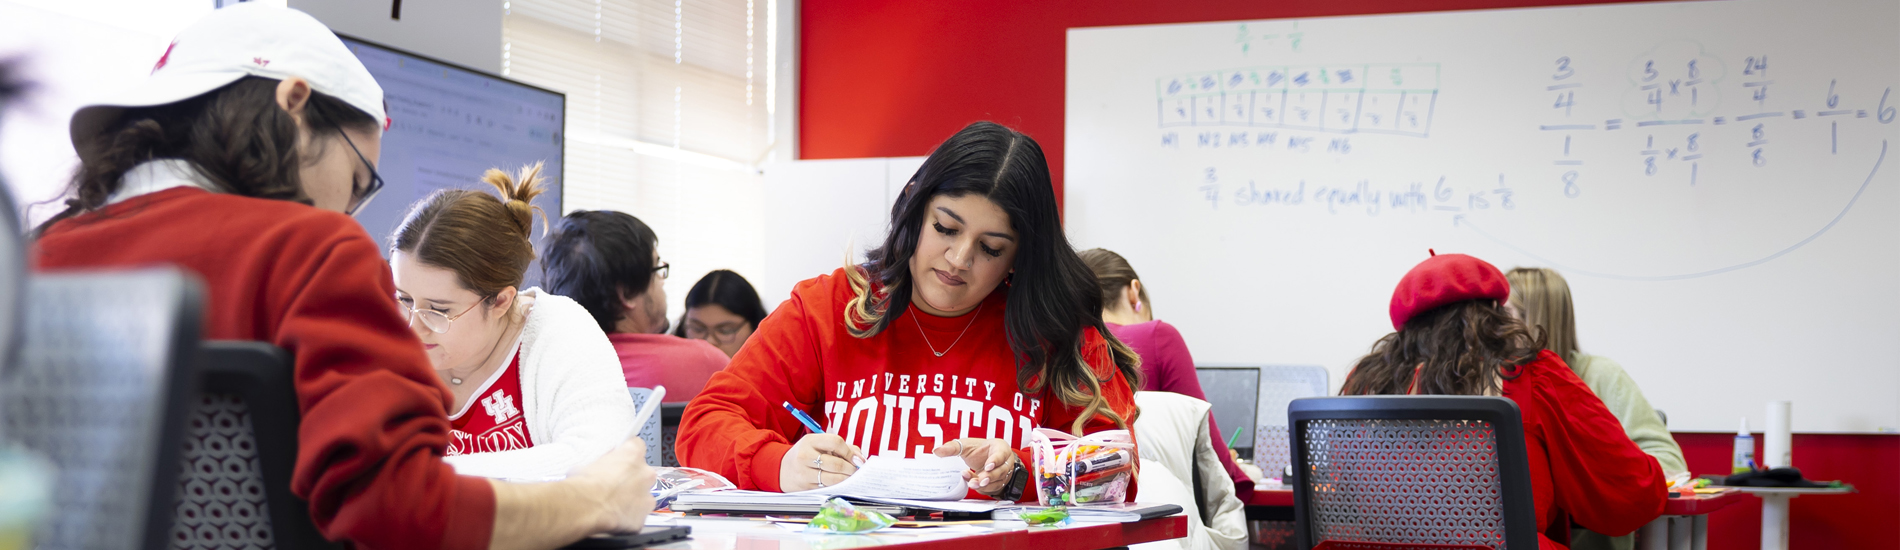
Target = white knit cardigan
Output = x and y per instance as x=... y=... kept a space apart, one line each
x=573 y=394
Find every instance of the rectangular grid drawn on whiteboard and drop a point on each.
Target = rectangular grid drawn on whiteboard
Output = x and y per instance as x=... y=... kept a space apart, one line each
x=1347 y=99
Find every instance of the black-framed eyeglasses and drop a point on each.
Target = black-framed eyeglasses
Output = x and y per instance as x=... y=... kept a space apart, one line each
x=720 y=333
x=664 y=269
x=358 y=199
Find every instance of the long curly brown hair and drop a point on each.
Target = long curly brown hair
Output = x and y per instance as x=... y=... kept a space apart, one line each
x=1464 y=348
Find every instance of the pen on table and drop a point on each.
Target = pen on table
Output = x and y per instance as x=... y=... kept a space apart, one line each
x=812 y=425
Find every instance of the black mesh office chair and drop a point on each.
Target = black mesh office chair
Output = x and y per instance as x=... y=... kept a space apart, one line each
x=1391 y=472
x=240 y=450
x=101 y=388
x=670 y=415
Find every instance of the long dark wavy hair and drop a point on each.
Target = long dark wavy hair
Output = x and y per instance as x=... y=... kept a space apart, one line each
x=236 y=136
x=1053 y=296
x=1465 y=347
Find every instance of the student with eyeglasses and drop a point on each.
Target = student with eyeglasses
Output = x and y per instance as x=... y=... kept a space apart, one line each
x=534 y=384
x=610 y=263
x=723 y=309
x=236 y=160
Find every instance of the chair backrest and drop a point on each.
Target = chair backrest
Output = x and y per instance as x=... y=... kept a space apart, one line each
x=650 y=433
x=240 y=450
x=1395 y=471
x=1279 y=386
x=670 y=414
x=102 y=385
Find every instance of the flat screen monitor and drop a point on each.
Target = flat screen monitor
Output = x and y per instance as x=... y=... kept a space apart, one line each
x=448 y=124
x=1235 y=394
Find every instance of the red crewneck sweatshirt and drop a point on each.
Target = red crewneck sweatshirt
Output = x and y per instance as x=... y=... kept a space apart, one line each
x=375 y=416
x=890 y=394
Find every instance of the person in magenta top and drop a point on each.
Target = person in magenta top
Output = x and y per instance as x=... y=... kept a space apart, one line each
x=610 y=263
x=1166 y=364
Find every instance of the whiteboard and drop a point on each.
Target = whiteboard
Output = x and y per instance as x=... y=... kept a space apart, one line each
x=1714 y=179
x=820 y=212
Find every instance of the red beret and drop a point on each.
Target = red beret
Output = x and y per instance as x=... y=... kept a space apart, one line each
x=1446 y=279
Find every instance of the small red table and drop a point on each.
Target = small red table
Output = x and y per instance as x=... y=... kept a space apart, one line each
x=1281 y=496
x=719 y=533
x=1684 y=524
x=1270 y=503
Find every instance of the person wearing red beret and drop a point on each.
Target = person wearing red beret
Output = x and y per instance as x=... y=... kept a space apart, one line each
x=1455 y=335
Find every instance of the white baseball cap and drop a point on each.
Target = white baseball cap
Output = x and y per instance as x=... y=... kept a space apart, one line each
x=248 y=39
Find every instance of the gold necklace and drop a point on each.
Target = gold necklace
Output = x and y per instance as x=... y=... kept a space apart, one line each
x=953 y=343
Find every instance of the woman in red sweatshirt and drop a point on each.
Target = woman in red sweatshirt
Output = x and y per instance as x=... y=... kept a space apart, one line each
x=972 y=325
x=1456 y=336
x=237 y=161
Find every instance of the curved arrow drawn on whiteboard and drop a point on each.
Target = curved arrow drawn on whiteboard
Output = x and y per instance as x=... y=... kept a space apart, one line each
x=1460 y=221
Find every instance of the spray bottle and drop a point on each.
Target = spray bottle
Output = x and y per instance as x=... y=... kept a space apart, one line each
x=1744 y=450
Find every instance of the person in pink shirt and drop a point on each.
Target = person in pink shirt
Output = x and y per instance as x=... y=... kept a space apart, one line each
x=1166 y=364
x=609 y=262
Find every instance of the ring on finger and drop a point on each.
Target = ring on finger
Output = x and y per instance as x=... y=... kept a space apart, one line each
x=817 y=462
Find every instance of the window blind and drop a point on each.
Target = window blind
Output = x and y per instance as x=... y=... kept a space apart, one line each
x=666 y=118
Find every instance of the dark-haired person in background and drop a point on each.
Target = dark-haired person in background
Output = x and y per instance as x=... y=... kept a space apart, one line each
x=722 y=308
x=1454 y=334
x=971 y=325
x=241 y=172
x=610 y=263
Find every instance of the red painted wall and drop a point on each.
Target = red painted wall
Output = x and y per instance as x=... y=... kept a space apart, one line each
x=889 y=78
x=1868 y=520
x=883 y=78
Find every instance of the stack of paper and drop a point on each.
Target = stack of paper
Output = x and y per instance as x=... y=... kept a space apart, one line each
x=934 y=483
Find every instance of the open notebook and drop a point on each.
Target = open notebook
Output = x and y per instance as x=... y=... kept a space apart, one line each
x=934 y=483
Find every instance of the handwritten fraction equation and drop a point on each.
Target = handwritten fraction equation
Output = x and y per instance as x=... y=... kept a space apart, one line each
x=1682 y=106
x=1389 y=98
